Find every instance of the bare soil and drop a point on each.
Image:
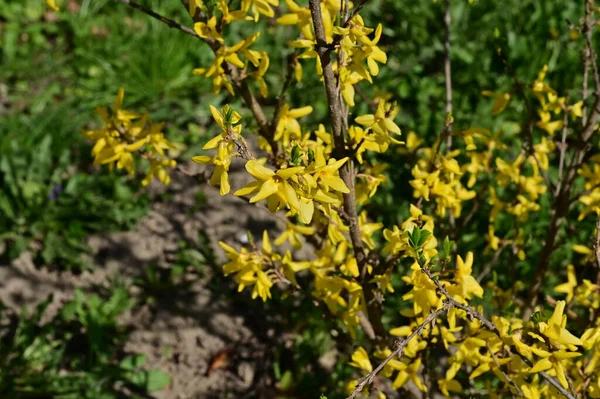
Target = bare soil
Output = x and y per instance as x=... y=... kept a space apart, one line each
x=211 y=341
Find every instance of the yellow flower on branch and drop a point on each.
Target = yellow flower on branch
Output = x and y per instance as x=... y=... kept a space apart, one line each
x=568 y=287
x=125 y=133
x=229 y=122
x=274 y=187
x=264 y=7
x=288 y=127
x=501 y=100
x=230 y=16
x=297 y=16
x=249 y=269
x=360 y=360
x=382 y=122
x=555 y=329
x=208 y=30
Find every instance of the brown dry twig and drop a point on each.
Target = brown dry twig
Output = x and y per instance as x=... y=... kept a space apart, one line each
x=399 y=350
x=336 y=114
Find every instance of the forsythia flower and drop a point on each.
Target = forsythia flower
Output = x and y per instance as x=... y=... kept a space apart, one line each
x=568 y=287
x=288 y=127
x=264 y=7
x=249 y=269
x=231 y=129
x=126 y=133
x=382 y=121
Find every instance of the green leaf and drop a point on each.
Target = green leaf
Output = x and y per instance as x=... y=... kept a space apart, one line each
x=424 y=236
x=133 y=362
x=157 y=380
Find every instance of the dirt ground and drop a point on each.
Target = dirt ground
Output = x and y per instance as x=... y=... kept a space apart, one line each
x=188 y=331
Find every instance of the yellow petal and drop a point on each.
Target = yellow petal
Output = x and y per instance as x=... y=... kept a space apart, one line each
x=225 y=188
x=258 y=171
x=365 y=120
x=300 y=112
x=268 y=188
x=202 y=159
x=541 y=365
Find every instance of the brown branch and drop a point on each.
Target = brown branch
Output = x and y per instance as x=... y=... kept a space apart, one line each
x=286 y=84
x=563 y=149
x=590 y=56
x=171 y=23
x=560 y=209
x=448 y=72
x=347 y=171
x=398 y=352
x=354 y=13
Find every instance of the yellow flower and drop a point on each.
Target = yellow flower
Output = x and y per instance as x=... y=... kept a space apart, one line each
x=382 y=121
x=447 y=386
x=126 y=133
x=568 y=287
x=230 y=16
x=297 y=16
x=288 y=127
x=264 y=7
x=368 y=229
x=195 y=4
x=293 y=234
x=555 y=328
x=360 y=359
x=249 y=271
x=221 y=161
x=545 y=124
x=501 y=100
x=274 y=187
x=466 y=284
x=553 y=360
x=229 y=122
x=208 y=30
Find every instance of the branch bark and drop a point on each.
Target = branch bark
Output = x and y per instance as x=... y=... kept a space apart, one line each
x=347 y=171
x=448 y=72
x=399 y=351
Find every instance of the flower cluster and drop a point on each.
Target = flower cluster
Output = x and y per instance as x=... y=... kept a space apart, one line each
x=125 y=133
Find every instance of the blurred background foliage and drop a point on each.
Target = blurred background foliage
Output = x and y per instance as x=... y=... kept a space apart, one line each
x=55 y=68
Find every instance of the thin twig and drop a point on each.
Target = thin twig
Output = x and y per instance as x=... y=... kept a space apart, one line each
x=171 y=23
x=398 y=351
x=490 y=326
x=563 y=149
x=448 y=72
x=562 y=200
x=506 y=377
x=488 y=267
x=286 y=84
x=354 y=13
x=588 y=25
